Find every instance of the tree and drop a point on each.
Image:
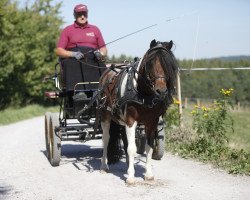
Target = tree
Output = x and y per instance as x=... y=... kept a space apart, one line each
x=204 y=84
x=28 y=39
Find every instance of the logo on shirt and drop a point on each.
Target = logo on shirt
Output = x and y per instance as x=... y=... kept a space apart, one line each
x=91 y=34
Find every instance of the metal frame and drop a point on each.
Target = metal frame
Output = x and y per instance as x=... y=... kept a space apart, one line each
x=70 y=129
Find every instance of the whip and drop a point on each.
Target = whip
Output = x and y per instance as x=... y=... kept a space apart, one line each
x=142 y=29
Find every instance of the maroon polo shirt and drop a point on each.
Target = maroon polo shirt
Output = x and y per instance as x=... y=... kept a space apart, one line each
x=75 y=35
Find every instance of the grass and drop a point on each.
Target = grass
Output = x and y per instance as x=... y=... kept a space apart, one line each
x=12 y=115
x=240 y=138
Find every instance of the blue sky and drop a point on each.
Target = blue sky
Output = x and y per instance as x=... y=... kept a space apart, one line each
x=218 y=28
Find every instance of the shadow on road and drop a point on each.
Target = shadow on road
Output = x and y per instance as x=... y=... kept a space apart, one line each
x=88 y=158
x=82 y=156
x=4 y=190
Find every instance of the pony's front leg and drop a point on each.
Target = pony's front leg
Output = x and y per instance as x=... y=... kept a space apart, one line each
x=105 y=138
x=151 y=131
x=149 y=174
x=130 y=131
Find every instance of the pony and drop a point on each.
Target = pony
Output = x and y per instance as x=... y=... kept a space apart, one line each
x=139 y=93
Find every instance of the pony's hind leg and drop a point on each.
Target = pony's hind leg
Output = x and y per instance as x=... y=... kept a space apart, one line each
x=130 y=131
x=105 y=138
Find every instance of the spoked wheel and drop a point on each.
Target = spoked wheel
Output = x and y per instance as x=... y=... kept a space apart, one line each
x=159 y=144
x=54 y=141
x=46 y=125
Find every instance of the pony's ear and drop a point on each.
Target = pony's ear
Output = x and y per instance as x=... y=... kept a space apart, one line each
x=152 y=44
x=170 y=45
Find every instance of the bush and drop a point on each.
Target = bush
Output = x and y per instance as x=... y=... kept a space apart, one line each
x=207 y=139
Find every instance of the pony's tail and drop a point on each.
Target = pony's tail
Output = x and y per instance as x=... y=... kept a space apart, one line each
x=114 y=147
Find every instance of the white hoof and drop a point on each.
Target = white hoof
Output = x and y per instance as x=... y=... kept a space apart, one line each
x=130 y=181
x=104 y=169
x=149 y=178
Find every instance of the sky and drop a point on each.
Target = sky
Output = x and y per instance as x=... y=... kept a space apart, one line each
x=199 y=29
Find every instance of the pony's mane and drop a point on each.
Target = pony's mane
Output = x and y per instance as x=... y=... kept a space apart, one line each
x=169 y=64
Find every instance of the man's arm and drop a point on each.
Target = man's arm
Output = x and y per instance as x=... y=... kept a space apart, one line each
x=66 y=54
x=63 y=53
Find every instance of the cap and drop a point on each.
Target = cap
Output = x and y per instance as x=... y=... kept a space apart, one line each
x=80 y=8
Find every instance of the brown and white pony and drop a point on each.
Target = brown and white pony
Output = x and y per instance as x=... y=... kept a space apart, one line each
x=153 y=85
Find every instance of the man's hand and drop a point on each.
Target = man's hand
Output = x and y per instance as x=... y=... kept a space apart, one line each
x=78 y=55
x=98 y=55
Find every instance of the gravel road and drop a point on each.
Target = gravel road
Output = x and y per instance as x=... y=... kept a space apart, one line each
x=25 y=173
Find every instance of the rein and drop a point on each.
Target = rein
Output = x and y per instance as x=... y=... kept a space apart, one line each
x=112 y=67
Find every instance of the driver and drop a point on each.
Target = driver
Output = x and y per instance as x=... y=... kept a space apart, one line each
x=81 y=36
x=81 y=47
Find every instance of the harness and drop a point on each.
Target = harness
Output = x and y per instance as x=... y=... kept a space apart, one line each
x=130 y=93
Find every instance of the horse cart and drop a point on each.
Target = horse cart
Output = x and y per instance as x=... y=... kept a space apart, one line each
x=79 y=96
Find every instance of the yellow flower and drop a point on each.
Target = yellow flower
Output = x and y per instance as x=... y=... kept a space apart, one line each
x=204 y=108
x=227 y=92
x=177 y=101
x=193 y=112
x=196 y=106
x=222 y=91
x=205 y=115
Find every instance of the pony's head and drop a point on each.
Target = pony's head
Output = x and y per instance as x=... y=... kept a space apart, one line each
x=159 y=68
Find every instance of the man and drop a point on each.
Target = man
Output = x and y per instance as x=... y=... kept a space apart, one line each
x=81 y=37
x=81 y=47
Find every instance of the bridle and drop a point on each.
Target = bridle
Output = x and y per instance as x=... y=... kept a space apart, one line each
x=146 y=72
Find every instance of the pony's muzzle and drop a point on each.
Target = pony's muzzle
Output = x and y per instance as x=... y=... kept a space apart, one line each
x=161 y=91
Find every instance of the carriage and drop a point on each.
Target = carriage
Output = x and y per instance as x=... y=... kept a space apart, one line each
x=77 y=119
x=79 y=94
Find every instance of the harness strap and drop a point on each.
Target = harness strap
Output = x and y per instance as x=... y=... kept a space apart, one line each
x=130 y=93
x=95 y=98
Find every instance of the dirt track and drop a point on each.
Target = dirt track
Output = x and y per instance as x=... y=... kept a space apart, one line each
x=25 y=173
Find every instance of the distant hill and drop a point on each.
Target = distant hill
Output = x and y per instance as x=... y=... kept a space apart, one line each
x=232 y=58
x=226 y=58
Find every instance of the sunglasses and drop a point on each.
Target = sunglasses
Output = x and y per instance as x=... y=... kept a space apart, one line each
x=79 y=14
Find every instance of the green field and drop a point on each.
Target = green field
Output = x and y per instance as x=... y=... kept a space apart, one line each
x=240 y=138
x=12 y=115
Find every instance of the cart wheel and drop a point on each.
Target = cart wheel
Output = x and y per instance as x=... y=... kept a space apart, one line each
x=54 y=141
x=46 y=125
x=159 y=145
x=140 y=144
